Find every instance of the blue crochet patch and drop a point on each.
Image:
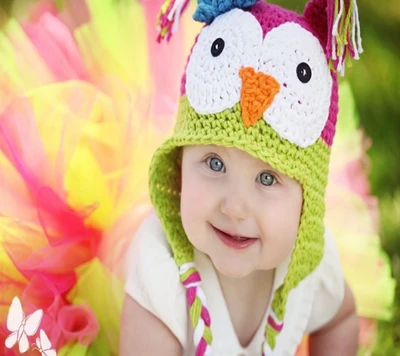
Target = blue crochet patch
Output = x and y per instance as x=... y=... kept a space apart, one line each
x=208 y=10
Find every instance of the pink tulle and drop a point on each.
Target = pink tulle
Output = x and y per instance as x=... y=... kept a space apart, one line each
x=20 y=142
x=166 y=93
x=61 y=224
x=61 y=321
x=55 y=44
x=74 y=14
x=78 y=322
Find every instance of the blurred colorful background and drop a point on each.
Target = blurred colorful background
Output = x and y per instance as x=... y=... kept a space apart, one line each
x=85 y=98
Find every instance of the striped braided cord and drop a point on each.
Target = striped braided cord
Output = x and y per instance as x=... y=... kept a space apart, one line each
x=199 y=314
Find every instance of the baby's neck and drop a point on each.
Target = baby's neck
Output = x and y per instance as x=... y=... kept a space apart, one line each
x=247 y=300
x=257 y=284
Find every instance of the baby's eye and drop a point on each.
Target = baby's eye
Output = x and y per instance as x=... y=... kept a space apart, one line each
x=267 y=179
x=215 y=164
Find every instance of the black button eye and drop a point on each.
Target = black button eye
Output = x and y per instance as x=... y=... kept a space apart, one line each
x=304 y=72
x=217 y=47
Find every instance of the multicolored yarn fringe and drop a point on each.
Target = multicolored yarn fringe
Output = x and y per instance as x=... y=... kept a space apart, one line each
x=344 y=42
x=169 y=17
x=199 y=314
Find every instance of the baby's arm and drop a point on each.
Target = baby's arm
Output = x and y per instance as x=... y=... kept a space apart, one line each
x=339 y=336
x=144 y=334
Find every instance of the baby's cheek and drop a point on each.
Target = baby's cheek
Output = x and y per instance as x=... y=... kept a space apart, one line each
x=193 y=197
x=194 y=200
x=289 y=228
x=280 y=226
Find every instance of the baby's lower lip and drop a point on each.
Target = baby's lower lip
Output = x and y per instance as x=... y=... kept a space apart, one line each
x=229 y=241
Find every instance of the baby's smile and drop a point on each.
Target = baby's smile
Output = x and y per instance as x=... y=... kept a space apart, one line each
x=233 y=239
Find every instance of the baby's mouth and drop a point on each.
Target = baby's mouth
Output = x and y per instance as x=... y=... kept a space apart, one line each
x=233 y=236
x=239 y=238
x=233 y=240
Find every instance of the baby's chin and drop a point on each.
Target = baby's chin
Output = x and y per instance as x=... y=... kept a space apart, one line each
x=232 y=268
x=233 y=265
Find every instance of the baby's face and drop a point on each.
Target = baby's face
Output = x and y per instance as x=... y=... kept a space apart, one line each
x=226 y=192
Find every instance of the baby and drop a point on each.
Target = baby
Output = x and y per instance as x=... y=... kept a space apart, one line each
x=235 y=258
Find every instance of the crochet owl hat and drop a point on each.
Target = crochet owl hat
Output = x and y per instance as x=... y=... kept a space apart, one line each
x=264 y=80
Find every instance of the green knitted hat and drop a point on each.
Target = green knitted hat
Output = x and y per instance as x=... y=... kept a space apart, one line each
x=262 y=79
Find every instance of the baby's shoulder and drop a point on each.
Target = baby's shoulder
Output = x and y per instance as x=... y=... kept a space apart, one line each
x=329 y=271
x=150 y=258
x=329 y=285
x=153 y=276
x=150 y=237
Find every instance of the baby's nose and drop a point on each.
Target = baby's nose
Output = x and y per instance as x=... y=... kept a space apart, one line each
x=234 y=207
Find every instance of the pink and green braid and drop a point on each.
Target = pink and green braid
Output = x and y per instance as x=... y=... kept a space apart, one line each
x=199 y=314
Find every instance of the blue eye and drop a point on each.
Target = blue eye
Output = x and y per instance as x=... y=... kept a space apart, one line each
x=215 y=164
x=267 y=179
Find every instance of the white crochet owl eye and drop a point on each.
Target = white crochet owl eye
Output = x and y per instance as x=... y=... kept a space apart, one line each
x=295 y=58
x=232 y=41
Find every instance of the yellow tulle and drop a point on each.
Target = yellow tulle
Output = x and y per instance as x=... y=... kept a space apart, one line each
x=106 y=302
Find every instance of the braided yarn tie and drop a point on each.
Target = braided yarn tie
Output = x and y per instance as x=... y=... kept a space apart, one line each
x=274 y=322
x=199 y=314
x=274 y=327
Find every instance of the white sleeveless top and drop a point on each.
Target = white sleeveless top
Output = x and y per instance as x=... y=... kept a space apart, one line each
x=153 y=281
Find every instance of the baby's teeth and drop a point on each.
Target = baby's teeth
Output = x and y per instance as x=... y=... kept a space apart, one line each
x=238 y=238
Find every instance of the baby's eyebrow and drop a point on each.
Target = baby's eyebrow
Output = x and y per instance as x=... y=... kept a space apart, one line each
x=215 y=149
x=265 y=165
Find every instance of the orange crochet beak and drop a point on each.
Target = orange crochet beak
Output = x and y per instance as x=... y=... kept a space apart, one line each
x=257 y=94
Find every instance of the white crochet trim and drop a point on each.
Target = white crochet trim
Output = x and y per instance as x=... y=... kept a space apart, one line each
x=213 y=83
x=300 y=110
